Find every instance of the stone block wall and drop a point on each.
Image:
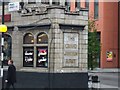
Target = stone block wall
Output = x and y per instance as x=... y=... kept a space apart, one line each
x=54 y=16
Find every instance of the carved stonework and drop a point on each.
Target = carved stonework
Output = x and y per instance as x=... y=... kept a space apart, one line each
x=15 y=28
x=32 y=10
x=70 y=50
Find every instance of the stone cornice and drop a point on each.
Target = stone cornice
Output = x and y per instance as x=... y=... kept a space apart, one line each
x=29 y=27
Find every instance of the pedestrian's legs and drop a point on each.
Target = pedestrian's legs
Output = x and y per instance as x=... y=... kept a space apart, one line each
x=7 y=86
x=13 y=86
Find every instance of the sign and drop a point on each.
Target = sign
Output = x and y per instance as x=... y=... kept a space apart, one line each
x=7 y=18
x=14 y=6
x=71 y=49
x=109 y=55
x=3 y=28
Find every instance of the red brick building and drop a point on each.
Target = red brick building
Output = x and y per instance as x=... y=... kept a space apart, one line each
x=106 y=16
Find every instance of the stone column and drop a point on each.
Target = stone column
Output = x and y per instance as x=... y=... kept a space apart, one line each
x=17 y=51
x=52 y=49
x=54 y=44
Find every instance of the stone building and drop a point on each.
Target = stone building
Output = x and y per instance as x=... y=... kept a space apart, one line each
x=47 y=38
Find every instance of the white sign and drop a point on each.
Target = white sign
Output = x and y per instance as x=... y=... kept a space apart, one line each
x=14 y=6
x=71 y=49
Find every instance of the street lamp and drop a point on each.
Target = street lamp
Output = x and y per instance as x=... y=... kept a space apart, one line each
x=3 y=28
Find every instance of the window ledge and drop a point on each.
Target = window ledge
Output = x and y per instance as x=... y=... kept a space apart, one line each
x=34 y=69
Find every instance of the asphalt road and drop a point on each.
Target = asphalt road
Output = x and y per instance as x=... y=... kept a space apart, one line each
x=108 y=78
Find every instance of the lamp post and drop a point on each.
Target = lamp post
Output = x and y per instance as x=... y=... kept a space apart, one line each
x=3 y=28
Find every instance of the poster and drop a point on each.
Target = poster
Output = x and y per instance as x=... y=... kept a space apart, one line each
x=42 y=57
x=28 y=56
x=109 y=55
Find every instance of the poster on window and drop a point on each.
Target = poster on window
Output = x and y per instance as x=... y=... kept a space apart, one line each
x=28 y=57
x=109 y=55
x=42 y=57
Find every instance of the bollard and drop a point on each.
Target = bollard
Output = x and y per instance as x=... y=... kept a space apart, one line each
x=95 y=81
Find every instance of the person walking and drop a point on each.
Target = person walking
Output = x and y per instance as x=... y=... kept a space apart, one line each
x=11 y=75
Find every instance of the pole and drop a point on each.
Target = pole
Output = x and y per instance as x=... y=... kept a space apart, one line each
x=118 y=34
x=2 y=45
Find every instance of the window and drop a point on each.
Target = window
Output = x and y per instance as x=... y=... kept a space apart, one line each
x=42 y=50
x=42 y=56
x=42 y=38
x=40 y=47
x=28 y=52
x=7 y=48
x=45 y=1
x=67 y=5
x=99 y=39
x=5 y=2
x=87 y=4
x=55 y=2
x=28 y=39
x=32 y=2
x=28 y=56
x=96 y=9
x=29 y=1
x=77 y=5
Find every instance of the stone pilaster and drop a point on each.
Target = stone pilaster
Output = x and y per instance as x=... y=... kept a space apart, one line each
x=17 y=47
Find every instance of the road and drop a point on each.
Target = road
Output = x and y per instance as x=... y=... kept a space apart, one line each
x=108 y=79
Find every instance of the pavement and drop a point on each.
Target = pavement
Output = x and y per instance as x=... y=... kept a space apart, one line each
x=106 y=70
